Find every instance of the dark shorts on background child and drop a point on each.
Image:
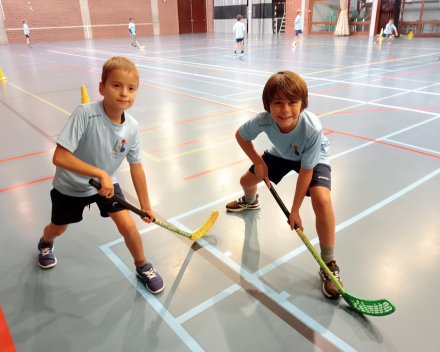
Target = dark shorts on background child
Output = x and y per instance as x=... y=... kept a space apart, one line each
x=386 y=35
x=68 y=209
x=298 y=31
x=239 y=40
x=26 y=35
x=280 y=167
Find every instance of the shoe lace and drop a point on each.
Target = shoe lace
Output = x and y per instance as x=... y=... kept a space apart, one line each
x=45 y=251
x=151 y=274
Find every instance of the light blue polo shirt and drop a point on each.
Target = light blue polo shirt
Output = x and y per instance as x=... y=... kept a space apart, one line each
x=95 y=139
x=132 y=28
x=305 y=143
x=298 y=24
x=239 y=30
x=389 y=28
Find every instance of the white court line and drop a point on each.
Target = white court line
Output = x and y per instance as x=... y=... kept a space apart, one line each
x=412 y=146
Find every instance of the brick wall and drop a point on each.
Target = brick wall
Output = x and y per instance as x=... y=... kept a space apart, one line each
x=117 y=12
x=168 y=17
x=291 y=7
x=47 y=13
x=67 y=13
x=209 y=16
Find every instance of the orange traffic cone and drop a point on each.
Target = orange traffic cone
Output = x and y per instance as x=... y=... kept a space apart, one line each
x=84 y=96
x=2 y=76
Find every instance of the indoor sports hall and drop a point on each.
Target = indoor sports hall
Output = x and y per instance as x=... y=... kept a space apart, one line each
x=250 y=283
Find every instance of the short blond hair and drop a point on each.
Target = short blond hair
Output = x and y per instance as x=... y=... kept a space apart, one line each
x=118 y=63
x=288 y=82
x=298 y=11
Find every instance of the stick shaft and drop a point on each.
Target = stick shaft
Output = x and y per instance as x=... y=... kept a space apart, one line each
x=139 y=212
x=306 y=241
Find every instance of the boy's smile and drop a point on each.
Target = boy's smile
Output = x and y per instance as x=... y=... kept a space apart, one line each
x=119 y=93
x=285 y=112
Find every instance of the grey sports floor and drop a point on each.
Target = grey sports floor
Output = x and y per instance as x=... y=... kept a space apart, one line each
x=249 y=284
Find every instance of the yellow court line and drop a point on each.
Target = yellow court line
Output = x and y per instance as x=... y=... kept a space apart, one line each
x=149 y=156
x=332 y=112
x=372 y=63
x=43 y=100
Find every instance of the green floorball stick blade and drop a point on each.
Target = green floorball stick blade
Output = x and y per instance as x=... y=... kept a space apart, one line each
x=377 y=308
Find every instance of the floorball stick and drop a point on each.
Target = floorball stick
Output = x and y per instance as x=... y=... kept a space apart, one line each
x=380 y=307
x=199 y=233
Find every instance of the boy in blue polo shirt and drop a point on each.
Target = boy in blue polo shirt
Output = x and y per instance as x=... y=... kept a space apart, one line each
x=298 y=26
x=299 y=145
x=93 y=144
x=388 y=32
x=132 y=29
x=239 y=35
x=26 y=33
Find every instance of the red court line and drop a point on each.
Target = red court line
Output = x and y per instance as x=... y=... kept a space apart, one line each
x=328 y=90
x=325 y=134
x=149 y=129
x=24 y=156
x=212 y=170
x=389 y=144
x=6 y=342
x=25 y=184
x=190 y=142
x=355 y=111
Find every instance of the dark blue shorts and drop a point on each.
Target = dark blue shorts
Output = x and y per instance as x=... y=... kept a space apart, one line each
x=239 y=40
x=68 y=209
x=280 y=167
x=298 y=31
x=386 y=35
x=26 y=35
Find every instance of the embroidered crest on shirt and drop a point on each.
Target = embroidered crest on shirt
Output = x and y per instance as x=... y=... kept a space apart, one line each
x=294 y=150
x=119 y=146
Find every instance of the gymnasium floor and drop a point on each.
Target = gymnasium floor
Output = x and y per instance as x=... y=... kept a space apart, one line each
x=249 y=284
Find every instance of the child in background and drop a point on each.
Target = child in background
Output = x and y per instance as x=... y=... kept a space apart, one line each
x=299 y=144
x=26 y=33
x=132 y=29
x=298 y=27
x=388 y=32
x=93 y=144
x=239 y=34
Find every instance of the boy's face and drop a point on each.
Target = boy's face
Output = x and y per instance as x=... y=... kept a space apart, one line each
x=285 y=112
x=120 y=89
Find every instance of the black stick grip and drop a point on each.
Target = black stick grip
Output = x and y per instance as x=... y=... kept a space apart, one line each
x=280 y=202
x=121 y=201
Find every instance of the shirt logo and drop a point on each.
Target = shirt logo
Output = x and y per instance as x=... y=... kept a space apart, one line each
x=295 y=150
x=119 y=147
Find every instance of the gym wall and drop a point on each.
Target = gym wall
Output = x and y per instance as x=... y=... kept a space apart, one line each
x=57 y=20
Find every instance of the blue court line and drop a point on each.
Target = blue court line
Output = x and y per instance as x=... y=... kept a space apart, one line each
x=153 y=301
x=207 y=304
x=280 y=298
x=413 y=146
x=345 y=224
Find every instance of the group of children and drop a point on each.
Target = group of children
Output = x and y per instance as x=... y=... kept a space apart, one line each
x=98 y=136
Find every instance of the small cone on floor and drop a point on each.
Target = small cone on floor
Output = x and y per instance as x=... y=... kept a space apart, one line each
x=84 y=96
x=2 y=76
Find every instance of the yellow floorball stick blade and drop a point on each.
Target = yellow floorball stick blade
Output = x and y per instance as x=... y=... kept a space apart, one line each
x=202 y=230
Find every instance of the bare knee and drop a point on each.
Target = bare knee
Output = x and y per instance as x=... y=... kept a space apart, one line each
x=127 y=228
x=321 y=201
x=249 y=180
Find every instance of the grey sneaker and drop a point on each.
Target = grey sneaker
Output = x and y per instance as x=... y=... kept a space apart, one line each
x=328 y=287
x=151 y=278
x=240 y=205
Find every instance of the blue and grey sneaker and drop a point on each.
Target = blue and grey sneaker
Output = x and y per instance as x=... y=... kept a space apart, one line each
x=153 y=281
x=46 y=259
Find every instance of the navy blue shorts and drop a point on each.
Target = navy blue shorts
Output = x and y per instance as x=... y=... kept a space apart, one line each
x=386 y=35
x=280 y=167
x=239 y=40
x=298 y=31
x=26 y=35
x=68 y=209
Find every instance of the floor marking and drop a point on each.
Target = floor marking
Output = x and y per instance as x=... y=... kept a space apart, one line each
x=190 y=142
x=228 y=254
x=337 y=111
x=413 y=146
x=215 y=169
x=25 y=156
x=6 y=342
x=345 y=224
x=268 y=291
x=26 y=184
x=153 y=301
x=207 y=304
